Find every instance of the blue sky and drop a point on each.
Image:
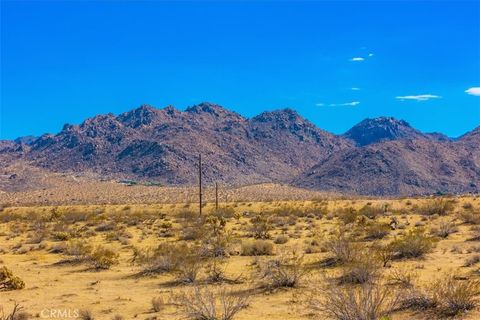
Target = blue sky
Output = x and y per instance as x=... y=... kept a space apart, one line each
x=62 y=62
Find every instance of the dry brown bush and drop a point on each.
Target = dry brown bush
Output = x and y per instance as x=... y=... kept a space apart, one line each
x=414 y=244
x=256 y=248
x=444 y=229
x=454 y=296
x=205 y=303
x=8 y=281
x=286 y=270
x=369 y=301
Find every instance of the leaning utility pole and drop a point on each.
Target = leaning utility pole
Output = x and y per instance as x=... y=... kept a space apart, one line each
x=216 y=196
x=200 y=182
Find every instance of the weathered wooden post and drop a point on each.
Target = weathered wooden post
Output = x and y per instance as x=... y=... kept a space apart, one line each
x=200 y=183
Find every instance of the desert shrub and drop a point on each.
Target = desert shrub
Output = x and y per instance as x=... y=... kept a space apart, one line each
x=61 y=236
x=189 y=266
x=375 y=231
x=205 y=304
x=260 y=226
x=280 y=239
x=470 y=216
x=164 y=258
x=106 y=226
x=361 y=270
x=439 y=207
x=286 y=270
x=78 y=249
x=86 y=314
x=342 y=249
x=384 y=253
x=8 y=281
x=369 y=301
x=216 y=241
x=256 y=248
x=157 y=304
x=370 y=211
x=103 y=258
x=347 y=215
x=402 y=277
x=416 y=299
x=15 y=314
x=444 y=229
x=224 y=212
x=453 y=296
x=414 y=244
x=215 y=270
x=472 y=261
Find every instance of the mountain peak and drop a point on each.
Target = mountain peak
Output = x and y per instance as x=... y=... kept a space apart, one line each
x=379 y=129
x=143 y=115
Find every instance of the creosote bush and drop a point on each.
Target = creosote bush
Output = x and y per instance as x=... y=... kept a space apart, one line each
x=441 y=207
x=260 y=226
x=369 y=301
x=286 y=270
x=8 y=281
x=204 y=303
x=454 y=296
x=414 y=244
x=103 y=258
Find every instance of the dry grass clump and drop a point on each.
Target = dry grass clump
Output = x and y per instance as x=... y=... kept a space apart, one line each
x=444 y=229
x=370 y=211
x=8 y=281
x=347 y=215
x=281 y=239
x=439 y=206
x=157 y=304
x=376 y=230
x=360 y=270
x=103 y=258
x=286 y=270
x=402 y=277
x=469 y=216
x=169 y=257
x=203 y=303
x=446 y=297
x=454 y=296
x=341 y=248
x=414 y=244
x=256 y=248
x=369 y=301
x=86 y=314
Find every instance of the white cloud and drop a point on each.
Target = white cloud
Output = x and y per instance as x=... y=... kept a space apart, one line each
x=474 y=91
x=420 y=97
x=351 y=104
x=346 y=104
x=354 y=89
x=370 y=54
x=357 y=59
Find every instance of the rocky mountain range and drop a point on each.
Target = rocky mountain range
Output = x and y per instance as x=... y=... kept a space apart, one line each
x=381 y=156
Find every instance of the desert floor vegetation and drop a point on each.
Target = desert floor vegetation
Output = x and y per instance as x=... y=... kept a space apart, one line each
x=273 y=259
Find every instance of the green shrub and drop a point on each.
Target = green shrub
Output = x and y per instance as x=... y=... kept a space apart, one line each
x=414 y=244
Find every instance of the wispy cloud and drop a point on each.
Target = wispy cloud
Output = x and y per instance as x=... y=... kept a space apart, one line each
x=474 y=91
x=420 y=97
x=354 y=89
x=370 y=54
x=357 y=59
x=346 y=104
